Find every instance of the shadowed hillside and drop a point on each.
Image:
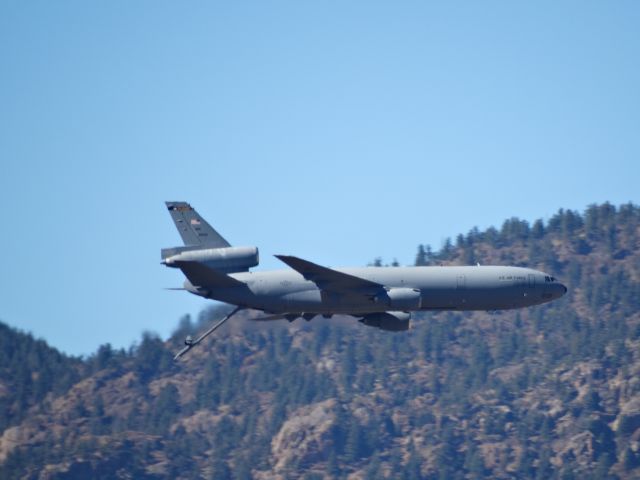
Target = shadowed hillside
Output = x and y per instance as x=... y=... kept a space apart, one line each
x=547 y=392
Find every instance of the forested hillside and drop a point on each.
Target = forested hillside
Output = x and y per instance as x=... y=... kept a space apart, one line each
x=547 y=392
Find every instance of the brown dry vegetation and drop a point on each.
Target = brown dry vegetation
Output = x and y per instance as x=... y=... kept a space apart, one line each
x=546 y=392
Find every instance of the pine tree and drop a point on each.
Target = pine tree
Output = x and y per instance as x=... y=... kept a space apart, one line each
x=421 y=257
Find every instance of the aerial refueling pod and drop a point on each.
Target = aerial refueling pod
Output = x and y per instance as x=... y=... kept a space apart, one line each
x=227 y=259
x=400 y=298
x=390 y=321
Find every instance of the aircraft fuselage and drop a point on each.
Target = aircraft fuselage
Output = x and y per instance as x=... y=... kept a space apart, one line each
x=439 y=288
x=382 y=297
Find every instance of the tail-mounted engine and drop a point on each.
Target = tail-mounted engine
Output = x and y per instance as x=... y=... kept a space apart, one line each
x=227 y=259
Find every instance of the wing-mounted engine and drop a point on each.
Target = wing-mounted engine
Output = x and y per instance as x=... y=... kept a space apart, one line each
x=400 y=298
x=390 y=321
x=227 y=259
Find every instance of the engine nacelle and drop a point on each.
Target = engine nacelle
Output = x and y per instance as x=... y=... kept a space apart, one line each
x=390 y=321
x=400 y=298
x=228 y=259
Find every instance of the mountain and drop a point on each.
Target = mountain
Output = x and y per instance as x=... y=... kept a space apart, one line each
x=547 y=392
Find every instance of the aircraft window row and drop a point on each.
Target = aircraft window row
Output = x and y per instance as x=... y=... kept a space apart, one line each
x=504 y=278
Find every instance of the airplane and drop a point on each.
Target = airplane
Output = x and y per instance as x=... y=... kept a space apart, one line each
x=382 y=297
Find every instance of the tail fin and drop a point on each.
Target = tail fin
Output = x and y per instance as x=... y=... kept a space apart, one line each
x=205 y=249
x=194 y=229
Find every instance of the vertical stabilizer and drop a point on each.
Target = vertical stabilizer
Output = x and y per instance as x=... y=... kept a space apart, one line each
x=194 y=229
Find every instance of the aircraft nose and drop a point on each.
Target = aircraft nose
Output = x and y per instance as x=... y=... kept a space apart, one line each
x=563 y=289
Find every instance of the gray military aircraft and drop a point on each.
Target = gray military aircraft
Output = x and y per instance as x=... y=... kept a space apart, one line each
x=381 y=297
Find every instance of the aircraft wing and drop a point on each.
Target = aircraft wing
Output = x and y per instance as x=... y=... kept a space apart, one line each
x=329 y=279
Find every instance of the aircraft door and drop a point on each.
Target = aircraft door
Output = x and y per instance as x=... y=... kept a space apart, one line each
x=532 y=281
x=461 y=282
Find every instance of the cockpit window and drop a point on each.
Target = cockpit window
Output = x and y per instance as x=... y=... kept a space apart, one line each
x=553 y=279
x=546 y=278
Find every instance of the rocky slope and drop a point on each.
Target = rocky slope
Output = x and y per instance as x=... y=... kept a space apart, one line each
x=545 y=392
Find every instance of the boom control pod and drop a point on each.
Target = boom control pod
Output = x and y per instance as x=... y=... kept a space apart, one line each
x=190 y=343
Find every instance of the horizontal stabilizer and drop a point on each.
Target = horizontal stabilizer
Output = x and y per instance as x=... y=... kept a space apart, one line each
x=329 y=279
x=202 y=276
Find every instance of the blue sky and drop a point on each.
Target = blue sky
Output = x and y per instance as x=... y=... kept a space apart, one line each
x=335 y=131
